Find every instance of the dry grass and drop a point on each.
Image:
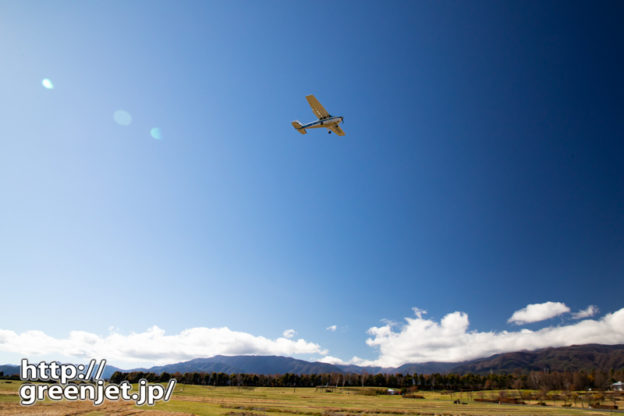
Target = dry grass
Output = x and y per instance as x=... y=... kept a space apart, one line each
x=233 y=401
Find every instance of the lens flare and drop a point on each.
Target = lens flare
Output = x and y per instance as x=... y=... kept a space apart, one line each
x=156 y=133
x=47 y=84
x=122 y=117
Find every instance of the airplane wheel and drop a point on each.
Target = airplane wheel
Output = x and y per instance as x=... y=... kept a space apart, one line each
x=329 y=132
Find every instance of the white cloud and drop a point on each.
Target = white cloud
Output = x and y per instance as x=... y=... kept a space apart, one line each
x=538 y=312
x=419 y=312
x=152 y=346
x=331 y=360
x=332 y=328
x=338 y=361
x=422 y=340
x=590 y=311
x=289 y=333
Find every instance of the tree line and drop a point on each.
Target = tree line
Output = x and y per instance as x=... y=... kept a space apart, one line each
x=537 y=380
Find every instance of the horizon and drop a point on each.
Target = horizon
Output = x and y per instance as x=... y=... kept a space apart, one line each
x=340 y=365
x=452 y=367
x=158 y=204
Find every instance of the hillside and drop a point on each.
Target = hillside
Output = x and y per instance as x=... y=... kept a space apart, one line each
x=248 y=364
x=577 y=357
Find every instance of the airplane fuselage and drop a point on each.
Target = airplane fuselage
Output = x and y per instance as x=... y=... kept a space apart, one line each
x=323 y=123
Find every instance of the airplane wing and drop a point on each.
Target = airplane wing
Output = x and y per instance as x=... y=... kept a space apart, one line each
x=317 y=108
x=336 y=129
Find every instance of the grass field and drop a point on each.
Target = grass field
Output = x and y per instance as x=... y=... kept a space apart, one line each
x=234 y=401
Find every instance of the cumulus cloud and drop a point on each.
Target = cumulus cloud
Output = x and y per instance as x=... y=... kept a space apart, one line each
x=590 y=311
x=328 y=359
x=422 y=340
x=332 y=328
x=153 y=346
x=538 y=312
x=289 y=333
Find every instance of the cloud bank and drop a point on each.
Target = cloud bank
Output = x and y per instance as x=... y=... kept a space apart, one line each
x=421 y=340
x=538 y=312
x=416 y=340
x=153 y=346
x=586 y=313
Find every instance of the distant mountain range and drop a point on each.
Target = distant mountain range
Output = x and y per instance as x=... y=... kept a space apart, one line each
x=574 y=358
x=11 y=370
x=251 y=364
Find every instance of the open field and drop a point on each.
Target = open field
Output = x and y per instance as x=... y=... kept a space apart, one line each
x=247 y=401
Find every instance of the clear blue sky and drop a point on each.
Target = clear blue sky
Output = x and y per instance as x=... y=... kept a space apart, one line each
x=482 y=170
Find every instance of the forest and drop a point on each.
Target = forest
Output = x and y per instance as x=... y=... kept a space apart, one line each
x=536 y=380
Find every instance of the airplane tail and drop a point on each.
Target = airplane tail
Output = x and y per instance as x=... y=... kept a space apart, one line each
x=298 y=127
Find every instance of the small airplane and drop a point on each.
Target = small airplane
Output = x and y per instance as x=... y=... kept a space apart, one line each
x=325 y=119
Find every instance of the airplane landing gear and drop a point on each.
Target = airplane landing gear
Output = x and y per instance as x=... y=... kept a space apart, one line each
x=329 y=132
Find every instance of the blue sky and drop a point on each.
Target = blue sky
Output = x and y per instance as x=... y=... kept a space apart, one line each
x=482 y=170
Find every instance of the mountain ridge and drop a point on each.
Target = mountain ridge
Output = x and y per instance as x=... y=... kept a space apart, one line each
x=585 y=357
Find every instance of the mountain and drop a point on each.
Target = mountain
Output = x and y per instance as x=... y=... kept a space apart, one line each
x=108 y=371
x=9 y=370
x=252 y=364
x=426 y=368
x=574 y=358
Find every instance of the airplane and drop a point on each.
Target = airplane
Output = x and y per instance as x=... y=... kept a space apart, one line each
x=325 y=119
